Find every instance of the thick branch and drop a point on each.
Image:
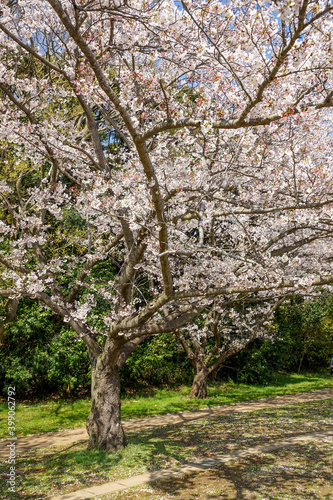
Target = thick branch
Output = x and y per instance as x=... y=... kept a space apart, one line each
x=170 y=325
x=84 y=47
x=186 y=348
x=230 y=290
x=94 y=134
x=158 y=204
x=10 y=313
x=281 y=58
x=82 y=330
x=89 y=265
x=262 y=211
x=300 y=243
x=233 y=350
x=232 y=124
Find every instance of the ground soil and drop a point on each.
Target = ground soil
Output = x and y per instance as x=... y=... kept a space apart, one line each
x=303 y=473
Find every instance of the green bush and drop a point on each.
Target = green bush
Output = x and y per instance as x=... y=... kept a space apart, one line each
x=157 y=361
x=306 y=328
x=304 y=341
x=40 y=354
x=255 y=364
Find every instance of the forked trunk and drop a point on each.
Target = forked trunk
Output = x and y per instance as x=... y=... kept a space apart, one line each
x=104 y=421
x=199 y=386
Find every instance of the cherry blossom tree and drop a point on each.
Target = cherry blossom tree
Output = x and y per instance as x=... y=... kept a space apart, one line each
x=189 y=142
x=224 y=331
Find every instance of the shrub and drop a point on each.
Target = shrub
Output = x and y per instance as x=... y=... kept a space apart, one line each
x=41 y=355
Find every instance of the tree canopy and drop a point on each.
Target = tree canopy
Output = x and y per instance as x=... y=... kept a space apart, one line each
x=184 y=146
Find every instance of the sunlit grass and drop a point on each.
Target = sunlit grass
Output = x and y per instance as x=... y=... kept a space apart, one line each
x=53 y=415
x=52 y=471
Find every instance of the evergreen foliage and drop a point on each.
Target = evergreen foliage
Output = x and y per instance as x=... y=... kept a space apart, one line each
x=40 y=355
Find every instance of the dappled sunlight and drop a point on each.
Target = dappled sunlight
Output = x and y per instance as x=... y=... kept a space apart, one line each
x=57 y=470
x=302 y=472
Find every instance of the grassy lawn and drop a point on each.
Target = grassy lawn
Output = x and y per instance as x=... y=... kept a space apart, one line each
x=53 y=415
x=52 y=471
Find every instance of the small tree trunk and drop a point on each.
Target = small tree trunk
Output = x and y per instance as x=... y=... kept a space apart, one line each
x=104 y=421
x=301 y=361
x=199 y=386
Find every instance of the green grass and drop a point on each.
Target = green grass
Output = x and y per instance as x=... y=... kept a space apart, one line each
x=53 y=415
x=303 y=472
x=53 y=471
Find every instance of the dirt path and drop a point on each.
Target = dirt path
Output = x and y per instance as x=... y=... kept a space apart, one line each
x=69 y=436
x=173 y=472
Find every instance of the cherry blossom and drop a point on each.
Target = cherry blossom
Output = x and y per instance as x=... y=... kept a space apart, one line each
x=167 y=160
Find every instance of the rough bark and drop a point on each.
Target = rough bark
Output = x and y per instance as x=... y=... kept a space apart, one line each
x=10 y=313
x=199 y=386
x=104 y=421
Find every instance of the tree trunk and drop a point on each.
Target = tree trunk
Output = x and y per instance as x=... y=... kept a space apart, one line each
x=199 y=386
x=104 y=421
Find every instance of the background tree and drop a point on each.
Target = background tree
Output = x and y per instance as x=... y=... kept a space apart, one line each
x=222 y=335
x=213 y=193
x=306 y=328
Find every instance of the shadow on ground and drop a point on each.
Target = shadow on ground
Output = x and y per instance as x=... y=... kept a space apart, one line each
x=303 y=473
